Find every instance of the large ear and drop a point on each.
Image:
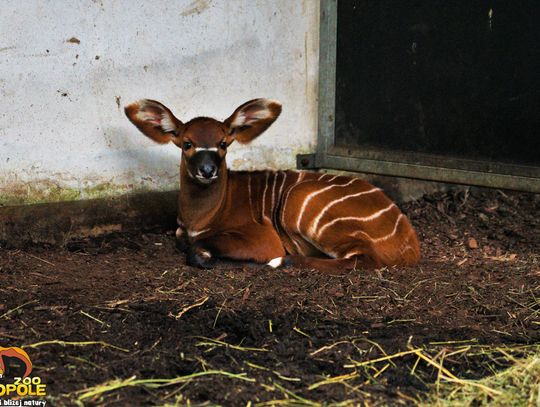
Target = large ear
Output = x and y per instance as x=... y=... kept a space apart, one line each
x=155 y=120
x=252 y=118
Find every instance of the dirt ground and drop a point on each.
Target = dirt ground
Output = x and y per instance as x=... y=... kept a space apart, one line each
x=125 y=307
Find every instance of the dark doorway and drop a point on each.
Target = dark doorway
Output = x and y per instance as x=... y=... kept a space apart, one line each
x=459 y=79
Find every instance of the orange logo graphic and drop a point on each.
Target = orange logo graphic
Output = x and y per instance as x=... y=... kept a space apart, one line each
x=18 y=353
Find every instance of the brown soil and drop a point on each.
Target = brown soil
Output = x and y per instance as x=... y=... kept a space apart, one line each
x=478 y=283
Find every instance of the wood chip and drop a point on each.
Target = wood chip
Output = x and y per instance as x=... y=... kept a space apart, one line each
x=473 y=244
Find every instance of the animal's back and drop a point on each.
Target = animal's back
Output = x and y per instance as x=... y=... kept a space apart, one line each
x=344 y=217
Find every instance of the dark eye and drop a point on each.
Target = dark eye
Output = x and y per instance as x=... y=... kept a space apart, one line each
x=187 y=145
x=223 y=145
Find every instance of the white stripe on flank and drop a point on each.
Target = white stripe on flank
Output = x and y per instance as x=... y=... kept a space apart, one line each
x=275 y=174
x=312 y=195
x=315 y=223
x=297 y=182
x=382 y=238
x=206 y=149
x=354 y=218
x=293 y=184
x=388 y=236
x=298 y=248
x=264 y=195
x=333 y=178
x=282 y=185
x=276 y=214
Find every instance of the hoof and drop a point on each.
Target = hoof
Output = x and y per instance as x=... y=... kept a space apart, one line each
x=288 y=261
x=181 y=245
x=199 y=257
x=181 y=241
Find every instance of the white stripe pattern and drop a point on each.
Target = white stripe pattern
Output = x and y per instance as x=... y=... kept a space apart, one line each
x=282 y=184
x=312 y=195
x=373 y=216
x=293 y=184
x=313 y=227
x=402 y=250
x=298 y=181
x=264 y=195
x=386 y=237
x=276 y=214
x=275 y=174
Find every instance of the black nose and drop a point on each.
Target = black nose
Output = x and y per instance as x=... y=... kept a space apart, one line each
x=207 y=170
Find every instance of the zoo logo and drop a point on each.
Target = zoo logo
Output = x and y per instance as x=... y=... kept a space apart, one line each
x=22 y=386
x=18 y=353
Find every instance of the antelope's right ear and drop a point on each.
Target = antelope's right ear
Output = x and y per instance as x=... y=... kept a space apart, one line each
x=154 y=120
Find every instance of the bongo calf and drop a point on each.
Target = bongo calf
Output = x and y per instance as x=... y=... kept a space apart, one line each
x=329 y=223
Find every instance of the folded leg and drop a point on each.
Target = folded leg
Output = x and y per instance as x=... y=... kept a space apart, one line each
x=258 y=243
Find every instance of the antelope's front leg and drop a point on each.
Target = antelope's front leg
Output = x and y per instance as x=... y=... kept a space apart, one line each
x=182 y=243
x=255 y=243
x=197 y=255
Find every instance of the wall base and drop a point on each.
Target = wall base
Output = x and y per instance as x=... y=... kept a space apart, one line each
x=58 y=223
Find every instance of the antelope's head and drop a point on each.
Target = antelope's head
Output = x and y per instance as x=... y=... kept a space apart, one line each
x=203 y=140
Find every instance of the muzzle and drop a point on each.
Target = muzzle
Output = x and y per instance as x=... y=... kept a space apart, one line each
x=205 y=165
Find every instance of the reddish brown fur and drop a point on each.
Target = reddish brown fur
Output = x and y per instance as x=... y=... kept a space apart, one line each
x=329 y=223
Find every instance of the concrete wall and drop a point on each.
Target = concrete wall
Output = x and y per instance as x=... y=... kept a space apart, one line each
x=67 y=68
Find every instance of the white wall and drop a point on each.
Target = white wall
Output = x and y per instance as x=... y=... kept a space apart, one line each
x=63 y=133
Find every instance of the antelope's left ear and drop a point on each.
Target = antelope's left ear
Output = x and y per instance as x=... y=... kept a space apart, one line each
x=252 y=118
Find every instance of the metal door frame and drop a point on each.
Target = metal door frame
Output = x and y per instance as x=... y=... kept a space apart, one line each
x=392 y=163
